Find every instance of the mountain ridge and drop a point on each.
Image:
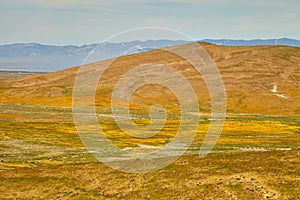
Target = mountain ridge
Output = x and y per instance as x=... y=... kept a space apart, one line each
x=34 y=56
x=254 y=42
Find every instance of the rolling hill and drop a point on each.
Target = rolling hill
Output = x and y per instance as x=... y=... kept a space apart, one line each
x=258 y=79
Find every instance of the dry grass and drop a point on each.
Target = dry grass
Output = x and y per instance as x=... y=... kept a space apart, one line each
x=256 y=157
x=43 y=157
x=259 y=175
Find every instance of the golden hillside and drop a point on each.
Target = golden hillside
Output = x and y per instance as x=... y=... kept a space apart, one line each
x=260 y=79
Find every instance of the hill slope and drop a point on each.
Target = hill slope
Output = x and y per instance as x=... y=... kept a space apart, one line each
x=261 y=79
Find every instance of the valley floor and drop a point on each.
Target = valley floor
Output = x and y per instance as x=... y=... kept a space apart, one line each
x=256 y=157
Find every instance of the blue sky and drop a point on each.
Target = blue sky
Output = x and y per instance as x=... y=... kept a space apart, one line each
x=78 y=22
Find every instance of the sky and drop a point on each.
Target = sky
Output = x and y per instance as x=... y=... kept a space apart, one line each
x=78 y=22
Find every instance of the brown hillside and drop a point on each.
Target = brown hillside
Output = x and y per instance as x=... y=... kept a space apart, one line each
x=262 y=79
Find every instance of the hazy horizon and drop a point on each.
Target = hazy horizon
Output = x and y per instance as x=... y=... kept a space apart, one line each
x=196 y=40
x=76 y=22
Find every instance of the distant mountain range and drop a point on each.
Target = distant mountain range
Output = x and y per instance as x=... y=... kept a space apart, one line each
x=32 y=56
x=46 y=57
x=257 y=42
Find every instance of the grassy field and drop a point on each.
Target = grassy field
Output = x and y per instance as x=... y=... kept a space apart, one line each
x=256 y=157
